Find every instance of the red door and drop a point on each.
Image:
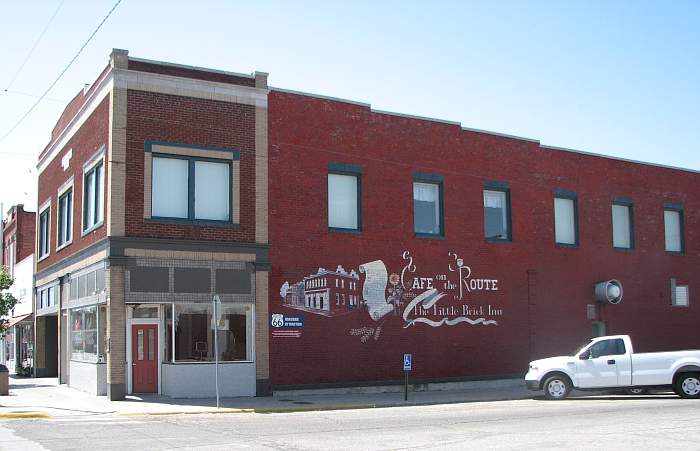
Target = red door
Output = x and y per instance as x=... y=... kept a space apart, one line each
x=144 y=357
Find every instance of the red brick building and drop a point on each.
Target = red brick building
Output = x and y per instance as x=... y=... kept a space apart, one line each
x=472 y=250
x=17 y=341
x=464 y=220
x=153 y=198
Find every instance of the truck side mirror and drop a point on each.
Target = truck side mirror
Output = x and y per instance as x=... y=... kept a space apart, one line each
x=585 y=355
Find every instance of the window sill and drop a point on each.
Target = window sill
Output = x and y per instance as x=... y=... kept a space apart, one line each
x=624 y=250
x=92 y=229
x=44 y=257
x=680 y=306
x=195 y=222
x=499 y=240
x=429 y=236
x=675 y=253
x=64 y=245
x=566 y=246
x=341 y=230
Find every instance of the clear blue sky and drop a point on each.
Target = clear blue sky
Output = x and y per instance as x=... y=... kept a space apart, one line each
x=618 y=78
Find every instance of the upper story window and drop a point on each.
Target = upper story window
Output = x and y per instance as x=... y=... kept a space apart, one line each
x=191 y=188
x=622 y=224
x=44 y=222
x=673 y=227
x=497 y=212
x=344 y=198
x=565 y=218
x=427 y=205
x=93 y=195
x=65 y=218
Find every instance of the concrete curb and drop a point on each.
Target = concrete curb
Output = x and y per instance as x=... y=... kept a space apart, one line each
x=23 y=415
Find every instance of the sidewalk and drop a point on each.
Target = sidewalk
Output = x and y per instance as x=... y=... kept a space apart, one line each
x=44 y=398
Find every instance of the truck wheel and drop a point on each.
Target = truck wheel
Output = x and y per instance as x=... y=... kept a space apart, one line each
x=556 y=387
x=688 y=385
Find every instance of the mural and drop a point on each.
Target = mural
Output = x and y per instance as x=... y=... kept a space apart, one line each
x=449 y=298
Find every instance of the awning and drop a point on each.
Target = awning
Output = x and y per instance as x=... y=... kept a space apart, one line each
x=12 y=321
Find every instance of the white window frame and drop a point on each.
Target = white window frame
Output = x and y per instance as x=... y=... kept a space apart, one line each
x=681 y=232
x=630 y=224
x=574 y=202
x=92 y=163
x=191 y=187
x=68 y=186
x=45 y=208
x=358 y=200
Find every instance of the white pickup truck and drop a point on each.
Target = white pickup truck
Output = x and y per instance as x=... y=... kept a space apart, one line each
x=610 y=362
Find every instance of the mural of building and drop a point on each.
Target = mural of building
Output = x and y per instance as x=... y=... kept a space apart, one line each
x=325 y=292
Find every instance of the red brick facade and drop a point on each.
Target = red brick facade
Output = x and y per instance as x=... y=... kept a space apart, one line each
x=19 y=227
x=544 y=289
x=93 y=135
x=196 y=122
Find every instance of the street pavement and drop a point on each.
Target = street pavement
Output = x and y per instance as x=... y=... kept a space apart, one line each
x=502 y=414
x=590 y=422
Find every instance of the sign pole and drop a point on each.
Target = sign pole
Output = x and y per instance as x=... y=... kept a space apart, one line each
x=405 y=387
x=216 y=318
x=407 y=367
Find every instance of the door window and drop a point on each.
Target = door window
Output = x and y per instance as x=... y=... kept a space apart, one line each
x=607 y=347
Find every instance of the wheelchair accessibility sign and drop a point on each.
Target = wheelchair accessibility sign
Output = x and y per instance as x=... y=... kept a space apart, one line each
x=407 y=362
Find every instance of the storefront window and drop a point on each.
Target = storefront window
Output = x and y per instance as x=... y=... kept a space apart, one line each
x=194 y=333
x=84 y=334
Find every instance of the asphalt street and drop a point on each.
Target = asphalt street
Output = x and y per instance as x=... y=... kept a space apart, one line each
x=601 y=422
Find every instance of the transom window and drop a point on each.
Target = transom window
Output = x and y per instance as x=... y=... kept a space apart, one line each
x=191 y=188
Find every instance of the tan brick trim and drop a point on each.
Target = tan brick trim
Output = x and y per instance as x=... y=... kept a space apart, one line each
x=147 y=184
x=200 y=89
x=261 y=176
x=116 y=164
x=193 y=151
x=184 y=255
x=95 y=258
x=236 y=192
x=116 y=326
x=262 y=344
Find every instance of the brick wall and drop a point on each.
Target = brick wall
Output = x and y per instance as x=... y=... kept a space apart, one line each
x=543 y=288
x=185 y=120
x=25 y=240
x=84 y=143
x=189 y=72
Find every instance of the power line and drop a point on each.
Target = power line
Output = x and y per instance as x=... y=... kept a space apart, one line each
x=31 y=51
x=70 y=63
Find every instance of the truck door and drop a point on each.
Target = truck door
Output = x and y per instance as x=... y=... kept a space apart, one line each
x=600 y=365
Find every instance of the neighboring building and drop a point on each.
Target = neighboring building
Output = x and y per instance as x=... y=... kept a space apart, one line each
x=17 y=343
x=475 y=251
x=153 y=198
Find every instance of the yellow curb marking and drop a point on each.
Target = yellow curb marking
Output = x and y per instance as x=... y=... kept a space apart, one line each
x=253 y=410
x=18 y=415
